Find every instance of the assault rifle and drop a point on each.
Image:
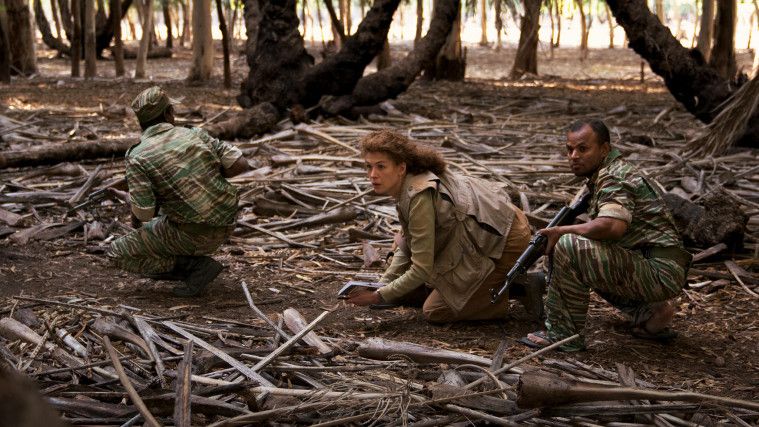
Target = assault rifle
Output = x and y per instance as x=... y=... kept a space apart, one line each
x=537 y=246
x=101 y=194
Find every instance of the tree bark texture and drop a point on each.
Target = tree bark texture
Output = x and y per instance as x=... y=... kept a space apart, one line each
x=224 y=44
x=692 y=82
x=90 y=57
x=393 y=81
x=497 y=6
x=118 y=44
x=147 y=28
x=202 y=42
x=57 y=153
x=76 y=41
x=5 y=49
x=450 y=63
x=383 y=59
x=704 y=43
x=419 y=20
x=23 y=56
x=56 y=19
x=252 y=17
x=526 y=60
x=338 y=74
x=167 y=21
x=723 y=51
x=44 y=27
x=280 y=58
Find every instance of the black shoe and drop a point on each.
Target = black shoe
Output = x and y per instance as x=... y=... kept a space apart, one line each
x=200 y=271
x=173 y=275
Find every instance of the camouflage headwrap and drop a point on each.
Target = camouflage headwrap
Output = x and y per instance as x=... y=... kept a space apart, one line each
x=151 y=103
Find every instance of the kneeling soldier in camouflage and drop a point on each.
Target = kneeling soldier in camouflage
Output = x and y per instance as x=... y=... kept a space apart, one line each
x=630 y=253
x=183 y=173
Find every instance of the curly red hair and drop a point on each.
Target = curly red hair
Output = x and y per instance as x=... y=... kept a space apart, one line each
x=418 y=158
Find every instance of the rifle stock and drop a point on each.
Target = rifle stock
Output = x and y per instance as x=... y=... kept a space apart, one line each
x=537 y=246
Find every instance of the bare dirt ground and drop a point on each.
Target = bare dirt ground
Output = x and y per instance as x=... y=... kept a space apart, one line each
x=718 y=348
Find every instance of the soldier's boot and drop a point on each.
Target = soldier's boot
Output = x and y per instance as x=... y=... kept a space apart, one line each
x=528 y=289
x=199 y=272
x=174 y=274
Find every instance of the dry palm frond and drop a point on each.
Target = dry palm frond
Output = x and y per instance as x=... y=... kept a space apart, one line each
x=729 y=123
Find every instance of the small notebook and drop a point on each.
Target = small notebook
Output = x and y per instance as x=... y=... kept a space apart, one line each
x=353 y=284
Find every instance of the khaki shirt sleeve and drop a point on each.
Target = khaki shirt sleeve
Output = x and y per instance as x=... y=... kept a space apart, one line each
x=418 y=269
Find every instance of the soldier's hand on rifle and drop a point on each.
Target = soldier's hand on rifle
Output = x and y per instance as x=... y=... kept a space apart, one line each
x=364 y=297
x=552 y=234
x=122 y=195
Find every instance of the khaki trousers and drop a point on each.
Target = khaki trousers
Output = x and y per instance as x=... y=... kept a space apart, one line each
x=479 y=307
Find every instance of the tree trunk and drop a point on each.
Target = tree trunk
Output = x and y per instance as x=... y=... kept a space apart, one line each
x=584 y=30
x=393 y=81
x=105 y=29
x=704 y=43
x=56 y=19
x=659 y=10
x=76 y=42
x=66 y=19
x=202 y=43
x=497 y=6
x=90 y=57
x=526 y=60
x=118 y=44
x=167 y=22
x=549 y=5
x=483 y=23
x=419 y=20
x=147 y=28
x=23 y=56
x=44 y=27
x=338 y=32
x=5 y=49
x=610 y=21
x=345 y=16
x=224 y=44
x=723 y=52
x=252 y=16
x=693 y=83
x=279 y=60
x=383 y=59
x=183 y=32
x=450 y=63
x=338 y=74
x=557 y=5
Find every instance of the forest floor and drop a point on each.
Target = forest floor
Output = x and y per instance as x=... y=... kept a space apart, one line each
x=718 y=348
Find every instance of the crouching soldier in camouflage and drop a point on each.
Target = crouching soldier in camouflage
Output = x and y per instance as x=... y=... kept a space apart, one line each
x=630 y=253
x=183 y=173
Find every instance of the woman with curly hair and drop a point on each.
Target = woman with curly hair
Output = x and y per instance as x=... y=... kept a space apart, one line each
x=459 y=235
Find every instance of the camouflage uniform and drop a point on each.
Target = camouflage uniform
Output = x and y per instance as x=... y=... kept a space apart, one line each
x=179 y=171
x=648 y=264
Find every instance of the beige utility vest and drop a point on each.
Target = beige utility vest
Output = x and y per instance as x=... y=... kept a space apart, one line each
x=473 y=218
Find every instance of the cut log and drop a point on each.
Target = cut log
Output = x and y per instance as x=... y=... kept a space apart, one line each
x=382 y=349
x=64 y=152
x=252 y=121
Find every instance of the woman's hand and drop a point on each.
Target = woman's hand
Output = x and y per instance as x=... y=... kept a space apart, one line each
x=364 y=297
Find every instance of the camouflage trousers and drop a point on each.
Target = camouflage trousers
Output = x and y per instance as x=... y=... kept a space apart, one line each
x=623 y=277
x=154 y=247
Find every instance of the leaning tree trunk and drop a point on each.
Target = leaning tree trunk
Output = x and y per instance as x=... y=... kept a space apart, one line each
x=526 y=60
x=147 y=28
x=691 y=81
x=202 y=42
x=23 y=57
x=450 y=63
x=338 y=74
x=5 y=49
x=723 y=52
x=90 y=57
x=704 y=43
x=393 y=81
x=44 y=27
